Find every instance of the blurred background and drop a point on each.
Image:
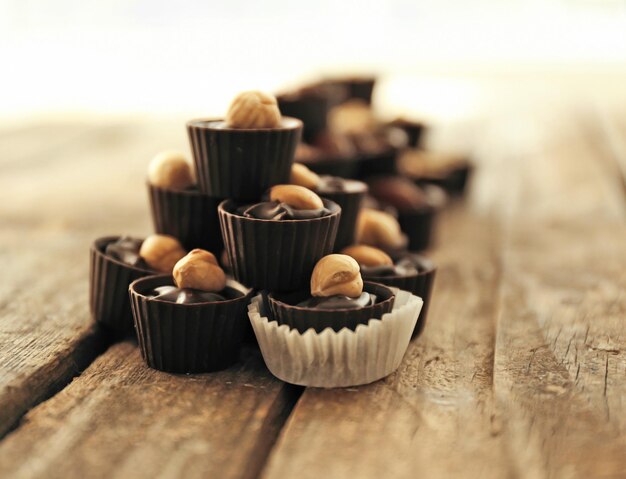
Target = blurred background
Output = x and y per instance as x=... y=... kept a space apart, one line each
x=445 y=60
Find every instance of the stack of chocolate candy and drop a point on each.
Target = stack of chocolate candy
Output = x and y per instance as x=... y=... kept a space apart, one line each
x=281 y=227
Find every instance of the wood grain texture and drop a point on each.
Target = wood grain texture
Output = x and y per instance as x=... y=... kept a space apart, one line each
x=123 y=419
x=417 y=422
x=554 y=309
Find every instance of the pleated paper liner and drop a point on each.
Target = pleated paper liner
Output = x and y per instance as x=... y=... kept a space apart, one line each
x=187 y=215
x=283 y=310
x=108 y=287
x=374 y=164
x=337 y=359
x=419 y=284
x=350 y=202
x=242 y=163
x=273 y=254
x=188 y=338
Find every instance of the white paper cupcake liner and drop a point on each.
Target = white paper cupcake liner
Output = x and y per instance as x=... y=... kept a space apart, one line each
x=337 y=359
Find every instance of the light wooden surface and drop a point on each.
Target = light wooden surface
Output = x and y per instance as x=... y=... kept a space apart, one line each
x=521 y=371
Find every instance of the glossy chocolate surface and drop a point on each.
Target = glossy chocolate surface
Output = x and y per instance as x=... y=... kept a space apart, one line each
x=192 y=296
x=409 y=265
x=273 y=210
x=126 y=250
x=338 y=302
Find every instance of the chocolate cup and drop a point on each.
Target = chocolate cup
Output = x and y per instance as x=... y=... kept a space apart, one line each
x=414 y=131
x=312 y=109
x=188 y=338
x=383 y=163
x=187 y=215
x=350 y=203
x=242 y=163
x=359 y=88
x=455 y=182
x=419 y=226
x=277 y=255
x=343 y=167
x=284 y=311
x=419 y=284
x=108 y=287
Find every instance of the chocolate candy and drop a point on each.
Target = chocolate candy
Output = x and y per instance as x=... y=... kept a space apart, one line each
x=192 y=296
x=407 y=266
x=272 y=210
x=338 y=302
x=126 y=250
x=399 y=192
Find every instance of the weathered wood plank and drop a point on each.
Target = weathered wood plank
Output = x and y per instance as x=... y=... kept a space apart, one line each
x=46 y=334
x=547 y=418
x=435 y=417
x=122 y=419
x=560 y=358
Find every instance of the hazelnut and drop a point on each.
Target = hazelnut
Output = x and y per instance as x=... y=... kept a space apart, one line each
x=302 y=176
x=377 y=228
x=199 y=270
x=161 y=252
x=336 y=274
x=253 y=109
x=368 y=255
x=297 y=197
x=170 y=169
x=351 y=118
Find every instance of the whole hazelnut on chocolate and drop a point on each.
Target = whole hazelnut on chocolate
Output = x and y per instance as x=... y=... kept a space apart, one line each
x=199 y=270
x=378 y=228
x=161 y=252
x=336 y=274
x=170 y=170
x=253 y=109
x=368 y=255
x=302 y=176
x=297 y=197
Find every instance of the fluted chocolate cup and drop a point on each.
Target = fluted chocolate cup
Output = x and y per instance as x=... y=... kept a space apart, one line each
x=360 y=88
x=242 y=163
x=188 y=338
x=375 y=164
x=188 y=215
x=420 y=284
x=284 y=310
x=454 y=182
x=312 y=108
x=277 y=255
x=419 y=226
x=108 y=287
x=350 y=200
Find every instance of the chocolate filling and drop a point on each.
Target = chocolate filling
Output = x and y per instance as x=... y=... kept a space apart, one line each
x=272 y=210
x=407 y=266
x=126 y=250
x=192 y=296
x=338 y=302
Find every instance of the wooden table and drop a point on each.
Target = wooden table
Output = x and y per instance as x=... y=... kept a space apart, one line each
x=521 y=371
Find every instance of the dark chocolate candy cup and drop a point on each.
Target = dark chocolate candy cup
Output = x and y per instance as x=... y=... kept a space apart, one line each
x=356 y=88
x=187 y=338
x=187 y=215
x=312 y=109
x=383 y=163
x=242 y=163
x=108 y=287
x=454 y=182
x=419 y=284
x=419 y=226
x=284 y=312
x=277 y=255
x=350 y=203
x=413 y=130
